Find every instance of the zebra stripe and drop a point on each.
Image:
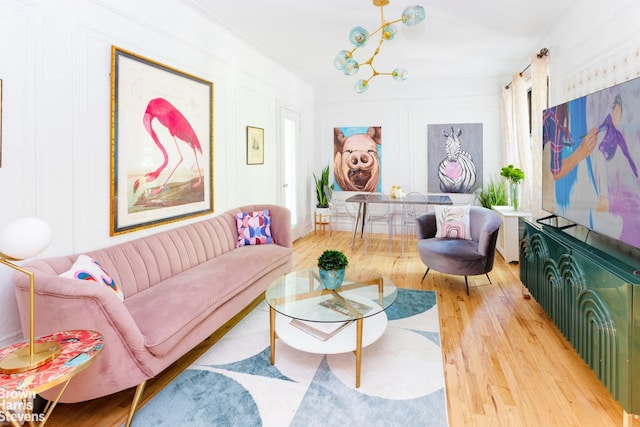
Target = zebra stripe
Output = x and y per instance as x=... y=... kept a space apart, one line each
x=466 y=182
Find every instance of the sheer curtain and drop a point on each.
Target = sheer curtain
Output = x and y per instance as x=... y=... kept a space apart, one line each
x=523 y=146
x=508 y=130
x=539 y=101
x=517 y=149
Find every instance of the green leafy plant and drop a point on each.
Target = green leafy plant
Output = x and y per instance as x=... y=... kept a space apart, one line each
x=512 y=174
x=322 y=184
x=493 y=194
x=332 y=260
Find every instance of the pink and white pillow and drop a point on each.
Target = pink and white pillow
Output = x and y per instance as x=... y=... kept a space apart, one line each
x=254 y=228
x=453 y=222
x=87 y=268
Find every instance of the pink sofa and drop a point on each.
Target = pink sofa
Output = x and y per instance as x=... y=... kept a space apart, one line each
x=179 y=286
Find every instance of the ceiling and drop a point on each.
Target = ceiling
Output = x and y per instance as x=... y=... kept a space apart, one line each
x=458 y=39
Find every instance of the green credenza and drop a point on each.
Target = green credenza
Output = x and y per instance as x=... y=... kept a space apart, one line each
x=590 y=293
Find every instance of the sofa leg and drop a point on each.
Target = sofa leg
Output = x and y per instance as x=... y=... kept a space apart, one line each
x=425 y=275
x=490 y=282
x=136 y=400
x=466 y=282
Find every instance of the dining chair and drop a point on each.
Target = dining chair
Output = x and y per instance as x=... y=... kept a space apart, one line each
x=378 y=212
x=414 y=205
x=339 y=209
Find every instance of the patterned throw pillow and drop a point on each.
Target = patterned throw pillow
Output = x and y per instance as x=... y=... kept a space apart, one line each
x=254 y=228
x=87 y=268
x=453 y=222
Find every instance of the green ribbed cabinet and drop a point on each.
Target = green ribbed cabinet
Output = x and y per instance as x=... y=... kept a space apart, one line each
x=591 y=294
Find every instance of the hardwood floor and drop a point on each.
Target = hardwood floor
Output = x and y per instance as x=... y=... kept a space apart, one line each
x=506 y=364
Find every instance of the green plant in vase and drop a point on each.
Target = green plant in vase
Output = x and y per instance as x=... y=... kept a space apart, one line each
x=513 y=176
x=332 y=265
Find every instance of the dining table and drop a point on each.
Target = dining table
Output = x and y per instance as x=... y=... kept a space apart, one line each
x=363 y=199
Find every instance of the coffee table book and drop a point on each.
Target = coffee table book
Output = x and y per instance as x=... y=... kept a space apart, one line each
x=325 y=330
x=345 y=305
x=320 y=330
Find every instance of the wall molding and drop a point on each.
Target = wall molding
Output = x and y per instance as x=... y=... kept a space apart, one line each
x=616 y=66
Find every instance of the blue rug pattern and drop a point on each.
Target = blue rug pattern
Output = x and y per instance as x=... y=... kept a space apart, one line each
x=234 y=383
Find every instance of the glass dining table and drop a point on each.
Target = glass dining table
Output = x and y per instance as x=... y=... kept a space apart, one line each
x=363 y=199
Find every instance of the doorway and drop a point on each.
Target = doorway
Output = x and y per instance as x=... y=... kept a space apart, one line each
x=290 y=128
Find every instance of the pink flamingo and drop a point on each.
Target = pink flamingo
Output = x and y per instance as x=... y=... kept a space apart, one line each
x=178 y=126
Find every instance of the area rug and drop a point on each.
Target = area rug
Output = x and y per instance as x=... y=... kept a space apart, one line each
x=234 y=383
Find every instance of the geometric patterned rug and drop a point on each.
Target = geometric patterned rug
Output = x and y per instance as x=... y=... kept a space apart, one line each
x=234 y=383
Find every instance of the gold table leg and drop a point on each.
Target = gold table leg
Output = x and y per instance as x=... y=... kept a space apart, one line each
x=272 y=334
x=359 y=324
x=6 y=415
x=51 y=405
x=48 y=410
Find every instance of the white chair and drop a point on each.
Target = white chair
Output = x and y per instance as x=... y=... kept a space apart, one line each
x=339 y=209
x=378 y=213
x=415 y=204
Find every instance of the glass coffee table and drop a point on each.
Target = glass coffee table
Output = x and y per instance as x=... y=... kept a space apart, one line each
x=310 y=318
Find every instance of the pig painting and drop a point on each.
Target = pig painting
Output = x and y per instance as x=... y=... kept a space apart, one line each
x=356 y=159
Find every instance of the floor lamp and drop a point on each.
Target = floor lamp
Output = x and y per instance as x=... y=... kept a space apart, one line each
x=22 y=239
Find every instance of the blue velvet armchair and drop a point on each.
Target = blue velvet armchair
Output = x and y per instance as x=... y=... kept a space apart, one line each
x=459 y=256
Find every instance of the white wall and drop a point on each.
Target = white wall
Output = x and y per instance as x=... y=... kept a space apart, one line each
x=55 y=67
x=595 y=46
x=404 y=122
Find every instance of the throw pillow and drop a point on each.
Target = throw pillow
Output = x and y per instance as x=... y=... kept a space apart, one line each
x=254 y=228
x=453 y=222
x=87 y=268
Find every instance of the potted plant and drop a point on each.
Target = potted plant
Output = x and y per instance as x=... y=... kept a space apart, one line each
x=322 y=198
x=513 y=176
x=493 y=194
x=332 y=265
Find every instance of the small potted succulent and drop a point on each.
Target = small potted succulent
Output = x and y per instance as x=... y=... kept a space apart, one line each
x=332 y=265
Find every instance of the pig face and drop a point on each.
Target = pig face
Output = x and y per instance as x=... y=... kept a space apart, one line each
x=356 y=160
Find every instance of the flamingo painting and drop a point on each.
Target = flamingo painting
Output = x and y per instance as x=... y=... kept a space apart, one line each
x=178 y=126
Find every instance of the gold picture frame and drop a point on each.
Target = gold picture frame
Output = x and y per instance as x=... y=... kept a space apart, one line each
x=255 y=146
x=161 y=143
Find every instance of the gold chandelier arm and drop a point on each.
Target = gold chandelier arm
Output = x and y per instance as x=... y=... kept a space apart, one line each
x=375 y=53
x=376 y=30
x=381 y=16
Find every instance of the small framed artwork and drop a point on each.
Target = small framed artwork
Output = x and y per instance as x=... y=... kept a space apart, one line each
x=161 y=143
x=255 y=146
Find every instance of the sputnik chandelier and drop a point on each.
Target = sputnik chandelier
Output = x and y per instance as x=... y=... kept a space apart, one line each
x=412 y=15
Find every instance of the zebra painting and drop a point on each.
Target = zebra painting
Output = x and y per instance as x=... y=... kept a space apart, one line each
x=457 y=172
